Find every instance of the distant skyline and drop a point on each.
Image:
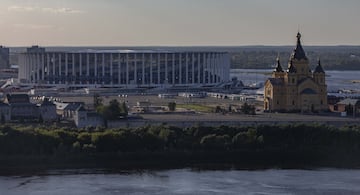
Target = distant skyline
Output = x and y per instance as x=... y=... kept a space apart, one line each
x=178 y=22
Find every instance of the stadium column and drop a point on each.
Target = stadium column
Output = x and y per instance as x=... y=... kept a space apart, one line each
x=66 y=67
x=95 y=68
x=38 y=70
x=73 y=69
x=193 y=68
x=22 y=62
x=43 y=66
x=223 y=67
x=31 y=68
x=173 y=69
x=135 y=68
x=209 y=68
x=26 y=66
x=212 y=67
x=227 y=60
x=180 y=68
x=166 y=69
x=186 y=68
x=80 y=68
x=217 y=63
x=119 y=68
x=103 y=68
x=53 y=68
x=143 y=69
x=127 y=69
x=111 y=69
x=158 y=67
x=204 y=67
x=47 y=67
x=59 y=82
x=87 y=68
x=198 y=68
x=151 y=64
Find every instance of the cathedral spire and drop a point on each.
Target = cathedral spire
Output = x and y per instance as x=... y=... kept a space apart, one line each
x=291 y=68
x=319 y=68
x=298 y=52
x=278 y=65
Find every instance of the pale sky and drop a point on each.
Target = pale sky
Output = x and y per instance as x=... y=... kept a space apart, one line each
x=178 y=22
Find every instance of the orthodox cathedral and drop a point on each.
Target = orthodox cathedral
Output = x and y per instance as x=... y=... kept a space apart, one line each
x=298 y=89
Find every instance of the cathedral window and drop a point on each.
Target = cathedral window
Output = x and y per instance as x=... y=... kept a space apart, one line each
x=321 y=102
x=293 y=80
x=293 y=102
x=277 y=102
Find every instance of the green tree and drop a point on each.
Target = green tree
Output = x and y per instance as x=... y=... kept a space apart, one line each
x=172 y=106
x=248 y=109
x=113 y=111
x=123 y=109
x=98 y=101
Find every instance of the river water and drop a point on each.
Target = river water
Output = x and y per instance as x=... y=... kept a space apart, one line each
x=184 y=181
x=335 y=80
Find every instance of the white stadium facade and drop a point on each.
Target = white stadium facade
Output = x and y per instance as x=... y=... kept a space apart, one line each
x=123 y=68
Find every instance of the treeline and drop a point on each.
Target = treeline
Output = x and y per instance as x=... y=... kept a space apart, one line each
x=265 y=58
x=304 y=144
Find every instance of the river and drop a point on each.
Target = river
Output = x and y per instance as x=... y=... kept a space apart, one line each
x=184 y=181
x=335 y=80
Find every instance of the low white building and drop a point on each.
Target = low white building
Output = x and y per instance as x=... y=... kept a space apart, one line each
x=48 y=111
x=84 y=118
x=18 y=107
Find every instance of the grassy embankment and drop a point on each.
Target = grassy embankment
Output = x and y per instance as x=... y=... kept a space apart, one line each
x=196 y=107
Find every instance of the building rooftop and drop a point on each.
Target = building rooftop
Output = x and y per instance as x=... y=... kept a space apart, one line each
x=135 y=51
x=349 y=101
x=17 y=98
x=299 y=52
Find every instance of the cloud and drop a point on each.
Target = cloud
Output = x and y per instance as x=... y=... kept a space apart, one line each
x=34 y=26
x=63 y=10
x=21 y=8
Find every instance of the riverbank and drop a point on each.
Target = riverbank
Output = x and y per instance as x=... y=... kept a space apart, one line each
x=162 y=147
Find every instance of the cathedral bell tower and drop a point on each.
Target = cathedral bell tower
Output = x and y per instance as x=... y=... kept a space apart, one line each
x=300 y=61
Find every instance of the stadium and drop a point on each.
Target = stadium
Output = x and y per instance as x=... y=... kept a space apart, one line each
x=123 y=68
